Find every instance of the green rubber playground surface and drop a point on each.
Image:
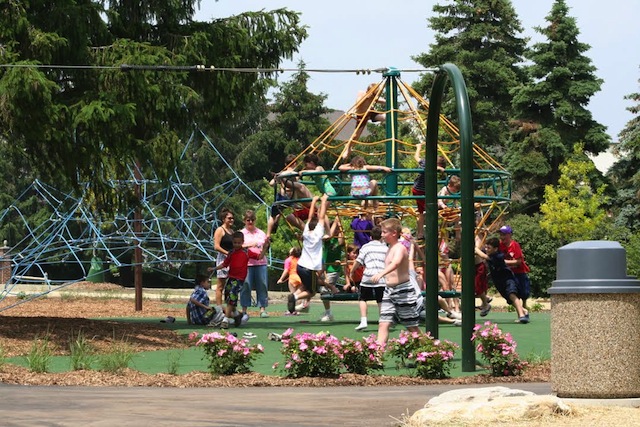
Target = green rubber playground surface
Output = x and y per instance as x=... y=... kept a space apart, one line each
x=533 y=339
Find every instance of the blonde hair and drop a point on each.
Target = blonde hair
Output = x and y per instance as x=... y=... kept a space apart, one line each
x=392 y=224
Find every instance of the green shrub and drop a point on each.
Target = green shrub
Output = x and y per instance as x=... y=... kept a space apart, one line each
x=81 y=353
x=39 y=357
x=117 y=358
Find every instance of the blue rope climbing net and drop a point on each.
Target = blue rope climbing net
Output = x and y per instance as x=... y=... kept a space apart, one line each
x=177 y=222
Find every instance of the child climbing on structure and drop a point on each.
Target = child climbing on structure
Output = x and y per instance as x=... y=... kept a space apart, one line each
x=364 y=112
x=361 y=185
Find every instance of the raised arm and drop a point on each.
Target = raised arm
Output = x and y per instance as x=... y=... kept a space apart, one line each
x=345 y=167
x=374 y=168
x=417 y=154
x=312 y=208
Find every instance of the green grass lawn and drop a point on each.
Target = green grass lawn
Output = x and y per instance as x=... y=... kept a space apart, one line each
x=533 y=339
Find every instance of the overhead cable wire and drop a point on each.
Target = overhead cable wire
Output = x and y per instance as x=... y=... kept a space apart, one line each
x=212 y=68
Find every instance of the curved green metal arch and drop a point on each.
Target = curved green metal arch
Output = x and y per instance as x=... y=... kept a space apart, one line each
x=450 y=72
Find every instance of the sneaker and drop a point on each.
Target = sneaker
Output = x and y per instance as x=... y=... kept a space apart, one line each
x=327 y=318
x=224 y=324
x=361 y=327
x=523 y=319
x=291 y=303
x=237 y=319
x=274 y=337
x=457 y=322
x=264 y=314
x=303 y=307
x=485 y=311
x=454 y=315
x=245 y=319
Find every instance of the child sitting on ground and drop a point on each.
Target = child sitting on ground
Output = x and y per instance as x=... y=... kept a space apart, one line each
x=504 y=279
x=238 y=262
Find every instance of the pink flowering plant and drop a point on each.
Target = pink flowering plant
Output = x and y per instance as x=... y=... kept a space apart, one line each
x=227 y=354
x=431 y=358
x=362 y=356
x=498 y=349
x=311 y=355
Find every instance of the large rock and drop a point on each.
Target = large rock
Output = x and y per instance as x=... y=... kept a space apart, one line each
x=487 y=404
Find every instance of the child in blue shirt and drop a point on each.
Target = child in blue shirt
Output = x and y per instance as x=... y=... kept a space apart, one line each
x=503 y=278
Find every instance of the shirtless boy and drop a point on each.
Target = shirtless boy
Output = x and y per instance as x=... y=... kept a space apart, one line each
x=400 y=297
x=290 y=188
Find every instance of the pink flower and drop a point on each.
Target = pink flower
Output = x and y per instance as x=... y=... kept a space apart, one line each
x=320 y=350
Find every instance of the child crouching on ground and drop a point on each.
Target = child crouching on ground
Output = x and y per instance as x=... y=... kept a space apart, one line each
x=238 y=262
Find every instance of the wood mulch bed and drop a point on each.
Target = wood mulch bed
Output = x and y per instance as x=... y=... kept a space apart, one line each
x=62 y=319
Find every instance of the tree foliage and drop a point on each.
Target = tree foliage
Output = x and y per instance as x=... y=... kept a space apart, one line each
x=295 y=120
x=90 y=123
x=551 y=112
x=625 y=174
x=482 y=37
x=572 y=210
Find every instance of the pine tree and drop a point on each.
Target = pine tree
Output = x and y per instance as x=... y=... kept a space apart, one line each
x=624 y=173
x=296 y=120
x=482 y=38
x=90 y=124
x=551 y=110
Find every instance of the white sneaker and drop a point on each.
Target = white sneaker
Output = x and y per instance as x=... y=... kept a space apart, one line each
x=361 y=327
x=245 y=319
x=327 y=318
x=224 y=324
x=457 y=322
x=303 y=307
x=454 y=315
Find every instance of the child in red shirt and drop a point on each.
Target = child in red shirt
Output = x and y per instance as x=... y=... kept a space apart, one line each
x=238 y=262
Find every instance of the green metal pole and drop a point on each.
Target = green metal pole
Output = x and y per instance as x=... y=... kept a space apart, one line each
x=453 y=73
x=391 y=127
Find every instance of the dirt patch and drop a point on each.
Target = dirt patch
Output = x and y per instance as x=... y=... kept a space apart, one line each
x=61 y=319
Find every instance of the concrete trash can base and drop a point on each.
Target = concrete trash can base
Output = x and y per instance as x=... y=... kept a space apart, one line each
x=595 y=323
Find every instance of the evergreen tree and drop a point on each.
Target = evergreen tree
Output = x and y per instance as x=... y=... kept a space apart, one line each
x=625 y=174
x=572 y=210
x=482 y=38
x=90 y=124
x=551 y=110
x=296 y=120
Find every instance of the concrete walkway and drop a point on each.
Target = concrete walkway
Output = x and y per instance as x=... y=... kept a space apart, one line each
x=256 y=406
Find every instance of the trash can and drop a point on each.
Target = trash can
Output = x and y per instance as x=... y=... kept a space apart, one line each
x=96 y=272
x=595 y=323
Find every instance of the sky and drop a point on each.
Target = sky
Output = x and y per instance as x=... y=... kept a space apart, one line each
x=380 y=34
